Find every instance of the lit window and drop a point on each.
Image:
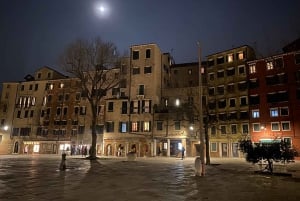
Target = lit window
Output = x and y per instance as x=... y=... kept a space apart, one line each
x=135 y=126
x=230 y=57
x=285 y=125
x=274 y=112
x=252 y=68
x=146 y=126
x=275 y=126
x=255 y=113
x=270 y=65
x=241 y=55
x=123 y=127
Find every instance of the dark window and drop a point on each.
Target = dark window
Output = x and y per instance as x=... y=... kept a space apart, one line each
x=99 y=129
x=222 y=103
x=141 y=90
x=135 y=55
x=253 y=83
x=278 y=63
x=233 y=129
x=147 y=69
x=213 y=130
x=212 y=105
x=220 y=60
x=211 y=91
x=124 y=107
x=135 y=70
x=222 y=117
x=277 y=97
x=211 y=62
x=232 y=102
x=220 y=90
x=81 y=129
x=220 y=74
x=109 y=127
x=148 y=53
x=242 y=86
x=230 y=88
x=230 y=72
x=232 y=116
x=36 y=87
x=177 y=125
x=254 y=100
x=241 y=70
x=30 y=87
x=223 y=130
x=110 y=106
x=297 y=58
x=159 y=125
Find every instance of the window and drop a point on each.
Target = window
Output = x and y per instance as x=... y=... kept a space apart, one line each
x=147 y=69
x=220 y=90
x=81 y=129
x=77 y=97
x=233 y=129
x=123 y=127
x=211 y=91
x=232 y=102
x=22 y=88
x=135 y=54
x=220 y=74
x=241 y=55
x=220 y=60
x=211 y=76
x=244 y=115
x=135 y=107
x=288 y=141
x=222 y=103
x=146 y=126
x=135 y=126
x=245 y=128
x=109 y=126
x=146 y=106
x=135 y=70
x=159 y=125
x=82 y=110
x=39 y=75
x=213 y=130
x=269 y=65
x=124 y=107
x=230 y=71
x=36 y=87
x=211 y=62
x=110 y=106
x=177 y=125
x=275 y=126
x=274 y=112
x=252 y=68
x=284 y=111
x=285 y=125
x=148 y=53
x=230 y=88
x=254 y=99
x=297 y=58
x=223 y=129
x=141 y=89
x=256 y=127
x=241 y=70
x=230 y=57
x=243 y=101
x=255 y=113
x=213 y=147
x=278 y=63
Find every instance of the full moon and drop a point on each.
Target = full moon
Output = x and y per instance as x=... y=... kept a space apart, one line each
x=101 y=9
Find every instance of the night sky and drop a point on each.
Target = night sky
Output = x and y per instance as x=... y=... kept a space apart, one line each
x=35 y=32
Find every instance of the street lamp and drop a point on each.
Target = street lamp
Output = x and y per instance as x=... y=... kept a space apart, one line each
x=5 y=128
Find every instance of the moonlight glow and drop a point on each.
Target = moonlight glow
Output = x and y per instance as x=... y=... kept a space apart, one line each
x=102 y=9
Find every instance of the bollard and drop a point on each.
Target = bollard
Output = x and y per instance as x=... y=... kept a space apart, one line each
x=63 y=162
x=198 y=167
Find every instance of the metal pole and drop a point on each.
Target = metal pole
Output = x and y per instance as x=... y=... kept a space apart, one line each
x=201 y=134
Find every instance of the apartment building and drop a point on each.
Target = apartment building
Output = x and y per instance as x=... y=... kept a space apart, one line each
x=228 y=100
x=274 y=98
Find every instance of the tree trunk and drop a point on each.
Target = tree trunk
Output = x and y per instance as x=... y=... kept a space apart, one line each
x=92 y=151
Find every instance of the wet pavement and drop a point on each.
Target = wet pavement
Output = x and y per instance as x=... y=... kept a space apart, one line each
x=167 y=179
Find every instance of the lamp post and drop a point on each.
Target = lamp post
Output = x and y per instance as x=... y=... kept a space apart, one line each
x=201 y=134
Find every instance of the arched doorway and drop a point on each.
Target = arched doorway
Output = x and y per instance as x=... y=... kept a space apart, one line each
x=109 y=150
x=16 y=148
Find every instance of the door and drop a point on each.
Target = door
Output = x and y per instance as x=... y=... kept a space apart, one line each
x=235 y=148
x=224 y=150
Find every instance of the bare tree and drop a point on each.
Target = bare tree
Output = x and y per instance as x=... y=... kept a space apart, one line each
x=93 y=63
